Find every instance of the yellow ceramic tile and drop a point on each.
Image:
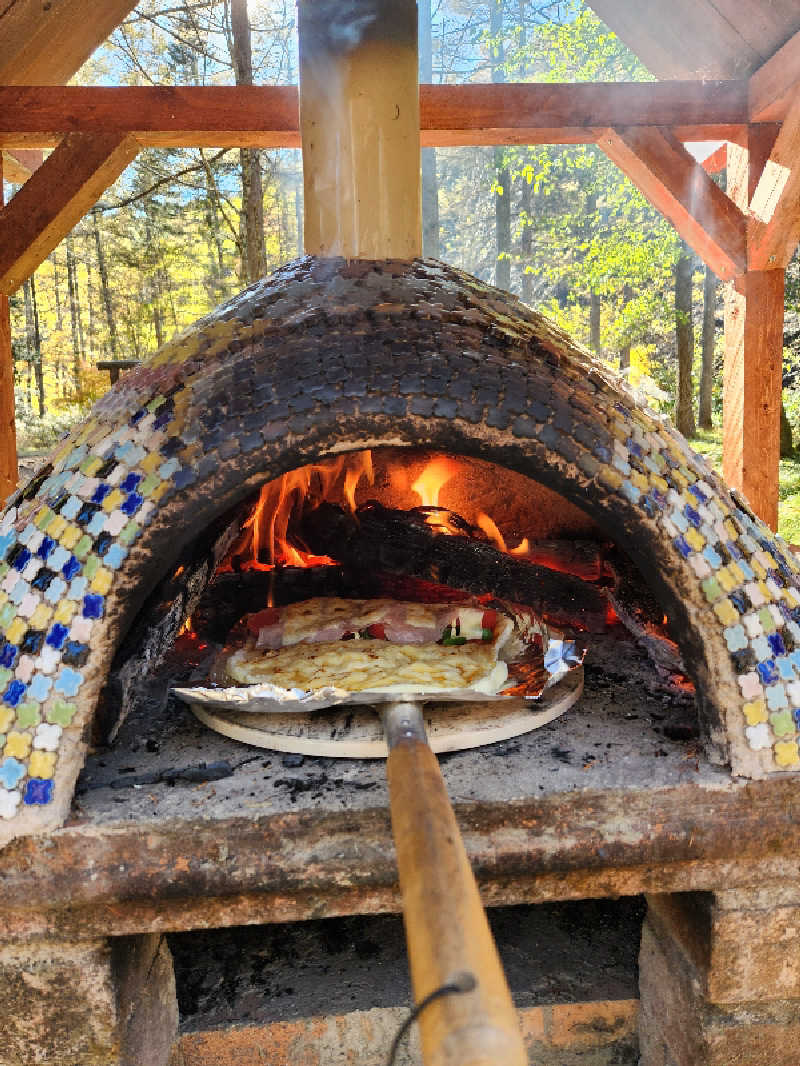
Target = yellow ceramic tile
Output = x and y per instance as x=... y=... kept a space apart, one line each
x=758 y=569
x=735 y=572
x=151 y=462
x=640 y=481
x=57 y=527
x=726 y=612
x=726 y=579
x=17 y=745
x=755 y=712
x=610 y=477
x=659 y=483
x=695 y=540
x=42 y=764
x=102 y=581
x=64 y=612
x=6 y=718
x=41 y=616
x=113 y=500
x=16 y=631
x=786 y=753
x=70 y=537
x=157 y=493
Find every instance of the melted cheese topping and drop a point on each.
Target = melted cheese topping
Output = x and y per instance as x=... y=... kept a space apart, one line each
x=301 y=621
x=372 y=665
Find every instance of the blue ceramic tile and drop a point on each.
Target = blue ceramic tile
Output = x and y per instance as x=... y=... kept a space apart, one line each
x=11 y=772
x=57 y=635
x=38 y=792
x=92 y=606
x=69 y=681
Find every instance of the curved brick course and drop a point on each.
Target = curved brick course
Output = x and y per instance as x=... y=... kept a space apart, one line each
x=323 y=357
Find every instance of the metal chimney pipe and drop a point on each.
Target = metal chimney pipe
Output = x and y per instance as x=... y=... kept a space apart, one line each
x=359 y=126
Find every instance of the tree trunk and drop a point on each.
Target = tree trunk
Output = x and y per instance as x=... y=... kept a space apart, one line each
x=34 y=342
x=57 y=292
x=625 y=346
x=74 y=315
x=254 y=263
x=707 y=372
x=502 y=197
x=684 y=340
x=525 y=199
x=787 y=444
x=298 y=213
x=104 y=289
x=594 y=322
x=29 y=341
x=430 y=181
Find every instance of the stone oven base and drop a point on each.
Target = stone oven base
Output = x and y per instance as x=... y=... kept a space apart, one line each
x=175 y=828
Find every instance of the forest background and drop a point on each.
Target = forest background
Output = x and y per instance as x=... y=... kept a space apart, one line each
x=182 y=230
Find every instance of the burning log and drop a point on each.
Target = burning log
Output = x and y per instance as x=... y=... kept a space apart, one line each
x=380 y=540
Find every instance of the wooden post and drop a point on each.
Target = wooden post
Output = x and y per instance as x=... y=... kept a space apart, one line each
x=359 y=124
x=753 y=371
x=9 y=472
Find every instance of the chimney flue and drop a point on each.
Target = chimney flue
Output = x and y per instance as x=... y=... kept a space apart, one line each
x=359 y=124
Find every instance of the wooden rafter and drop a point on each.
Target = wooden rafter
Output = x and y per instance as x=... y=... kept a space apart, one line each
x=680 y=189
x=56 y=197
x=44 y=43
x=774 y=226
x=775 y=84
x=267 y=116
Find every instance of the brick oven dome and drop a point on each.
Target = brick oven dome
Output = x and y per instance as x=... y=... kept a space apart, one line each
x=325 y=357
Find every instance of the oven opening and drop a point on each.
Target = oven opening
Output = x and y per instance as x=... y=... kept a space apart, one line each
x=402 y=525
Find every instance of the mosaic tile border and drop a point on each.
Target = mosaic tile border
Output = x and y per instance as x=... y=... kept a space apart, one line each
x=156 y=437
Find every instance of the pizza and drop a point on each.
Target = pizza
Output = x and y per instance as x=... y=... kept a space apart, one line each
x=382 y=646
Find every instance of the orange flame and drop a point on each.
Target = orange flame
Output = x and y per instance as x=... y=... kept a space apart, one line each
x=491 y=531
x=268 y=536
x=432 y=480
x=266 y=531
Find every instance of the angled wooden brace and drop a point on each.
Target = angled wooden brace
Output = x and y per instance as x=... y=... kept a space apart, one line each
x=56 y=197
x=773 y=228
x=677 y=185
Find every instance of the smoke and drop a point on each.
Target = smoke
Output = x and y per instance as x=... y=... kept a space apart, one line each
x=336 y=27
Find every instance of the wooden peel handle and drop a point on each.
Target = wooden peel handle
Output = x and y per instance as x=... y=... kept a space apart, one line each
x=446 y=928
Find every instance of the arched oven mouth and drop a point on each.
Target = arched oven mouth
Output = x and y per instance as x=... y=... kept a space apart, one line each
x=406 y=524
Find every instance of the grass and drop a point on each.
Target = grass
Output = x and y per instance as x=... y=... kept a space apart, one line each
x=708 y=443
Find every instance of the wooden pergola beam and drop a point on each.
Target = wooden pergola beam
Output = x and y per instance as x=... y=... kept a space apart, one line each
x=774 y=225
x=678 y=186
x=775 y=84
x=267 y=116
x=56 y=197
